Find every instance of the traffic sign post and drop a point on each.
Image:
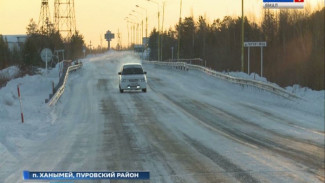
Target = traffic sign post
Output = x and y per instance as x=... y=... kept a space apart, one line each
x=46 y=56
x=84 y=51
x=255 y=44
x=261 y=61
x=248 y=65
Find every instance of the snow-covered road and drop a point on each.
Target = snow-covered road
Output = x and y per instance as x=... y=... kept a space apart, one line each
x=188 y=127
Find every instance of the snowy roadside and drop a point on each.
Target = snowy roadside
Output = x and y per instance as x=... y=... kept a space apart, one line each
x=16 y=136
x=292 y=117
x=9 y=72
x=39 y=120
x=303 y=92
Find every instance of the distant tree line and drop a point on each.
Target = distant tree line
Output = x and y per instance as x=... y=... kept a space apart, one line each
x=294 y=52
x=29 y=54
x=5 y=55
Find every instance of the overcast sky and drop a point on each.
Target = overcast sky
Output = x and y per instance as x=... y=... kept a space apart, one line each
x=95 y=17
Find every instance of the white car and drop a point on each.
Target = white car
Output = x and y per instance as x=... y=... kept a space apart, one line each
x=132 y=77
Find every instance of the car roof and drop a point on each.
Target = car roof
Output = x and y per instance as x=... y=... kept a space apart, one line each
x=128 y=65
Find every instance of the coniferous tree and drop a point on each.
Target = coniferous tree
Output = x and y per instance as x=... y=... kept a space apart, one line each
x=294 y=52
x=4 y=53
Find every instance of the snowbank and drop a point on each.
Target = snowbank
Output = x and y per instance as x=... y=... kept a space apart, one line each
x=303 y=92
x=9 y=72
x=15 y=136
x=253 y=76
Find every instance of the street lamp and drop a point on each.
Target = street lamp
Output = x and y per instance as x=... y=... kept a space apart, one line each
x=162 y=29
x=158 y=42
x=132 y=29
x=146 y=19
x=127 y=26
x=137 y=35
x=179 y=29
x=141 y=25
x=242 y=35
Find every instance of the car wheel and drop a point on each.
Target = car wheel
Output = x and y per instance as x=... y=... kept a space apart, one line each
x=121 y=90
x=144 y=89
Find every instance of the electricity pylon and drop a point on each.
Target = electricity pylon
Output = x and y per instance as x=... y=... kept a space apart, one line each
x=64 y=17
x=44 y=21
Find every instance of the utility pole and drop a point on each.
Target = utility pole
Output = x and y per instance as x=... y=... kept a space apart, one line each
x=242 y=36
x=142 y=32
x=101 y=41
x=127 y=26
x=90 y=46
x=137 y=30
x=141 y=40
x=158 y=34
x=158 y=29
x=146 y=18
x=179 y=29
x=134 y=34
x=162 y=31
x=119 y=42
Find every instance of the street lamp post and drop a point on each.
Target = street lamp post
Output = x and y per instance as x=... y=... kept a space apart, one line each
x=242 y=36
x=162 y=31
x=137 y=34
x=127 y=26
x=132 y=31
x=133 y=38
x=179 y=29
x=146 y=19
x=141 y=40
x=158 y=42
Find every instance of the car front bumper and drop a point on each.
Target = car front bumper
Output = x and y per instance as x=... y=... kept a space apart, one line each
x=133 y=86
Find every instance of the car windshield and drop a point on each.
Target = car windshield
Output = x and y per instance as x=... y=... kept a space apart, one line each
x=132 y=70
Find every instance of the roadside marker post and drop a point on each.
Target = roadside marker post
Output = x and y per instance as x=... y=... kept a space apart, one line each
x=21 y=107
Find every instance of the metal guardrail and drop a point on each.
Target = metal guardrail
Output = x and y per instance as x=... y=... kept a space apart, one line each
x=60 y=91
x=259 y=84
x=176 y=65
x=194 y=61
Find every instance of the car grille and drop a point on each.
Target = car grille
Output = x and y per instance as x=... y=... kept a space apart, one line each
x=133 y=80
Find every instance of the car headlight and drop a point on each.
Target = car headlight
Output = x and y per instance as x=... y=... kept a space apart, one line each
x=142 y=80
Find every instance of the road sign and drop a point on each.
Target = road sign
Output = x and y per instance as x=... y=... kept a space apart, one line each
x=109 y=36
x=255 y=44
x=46 y=55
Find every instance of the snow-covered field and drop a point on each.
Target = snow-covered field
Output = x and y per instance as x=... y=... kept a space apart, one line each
x=188 y=127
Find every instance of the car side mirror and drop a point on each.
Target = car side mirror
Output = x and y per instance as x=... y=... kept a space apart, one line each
x=119 y=73
x=144 y=72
